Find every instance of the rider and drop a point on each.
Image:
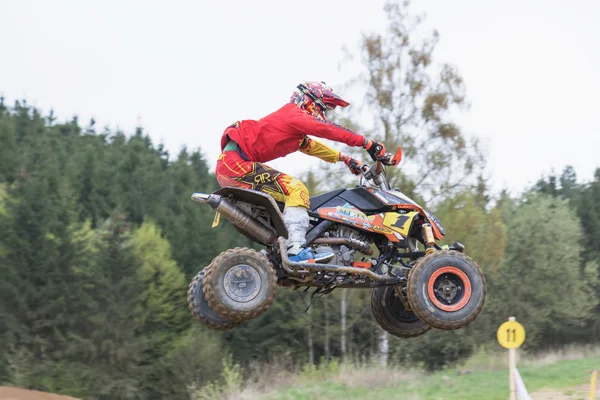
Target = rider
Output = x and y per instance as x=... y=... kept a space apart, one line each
x=247 y=144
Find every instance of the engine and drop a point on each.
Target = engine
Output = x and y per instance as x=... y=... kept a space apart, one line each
x=344 y=254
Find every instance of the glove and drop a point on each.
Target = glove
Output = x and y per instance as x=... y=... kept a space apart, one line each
x=355 y=166
x=375 y=149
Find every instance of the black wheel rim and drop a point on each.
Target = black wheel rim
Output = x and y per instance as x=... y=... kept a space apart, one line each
x=448 y=289
x=397 y=309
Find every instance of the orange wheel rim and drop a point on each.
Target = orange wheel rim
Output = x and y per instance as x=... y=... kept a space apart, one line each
x=447 y=283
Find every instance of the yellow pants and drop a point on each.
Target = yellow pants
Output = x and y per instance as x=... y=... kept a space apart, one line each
x=233 y=170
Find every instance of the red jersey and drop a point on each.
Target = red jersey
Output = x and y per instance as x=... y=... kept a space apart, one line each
x=280 y=133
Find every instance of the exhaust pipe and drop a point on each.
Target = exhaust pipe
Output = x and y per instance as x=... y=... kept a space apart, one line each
x=200 y=197
x=237 y=217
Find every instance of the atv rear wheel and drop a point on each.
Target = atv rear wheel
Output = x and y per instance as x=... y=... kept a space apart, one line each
x=200 y=309
x=240 y=284
x=446 y=289
x=390 y=313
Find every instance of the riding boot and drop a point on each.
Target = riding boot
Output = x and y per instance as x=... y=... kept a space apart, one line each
x=297 y=222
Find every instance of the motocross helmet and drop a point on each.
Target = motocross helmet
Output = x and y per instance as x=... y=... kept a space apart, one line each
x=317 y=98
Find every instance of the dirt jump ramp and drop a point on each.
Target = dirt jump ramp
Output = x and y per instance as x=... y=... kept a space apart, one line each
x=13 y=393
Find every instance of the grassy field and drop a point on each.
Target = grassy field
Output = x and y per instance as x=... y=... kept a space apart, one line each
x=448 y=385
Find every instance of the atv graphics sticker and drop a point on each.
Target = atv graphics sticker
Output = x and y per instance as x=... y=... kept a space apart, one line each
x=351 y=212
x=347 y=214
x=351 y=215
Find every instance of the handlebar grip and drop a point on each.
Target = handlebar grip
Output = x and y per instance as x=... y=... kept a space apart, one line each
x=386 y=159
x=392 y=159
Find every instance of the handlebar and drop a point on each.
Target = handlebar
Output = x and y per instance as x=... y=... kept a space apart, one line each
x=374 y=172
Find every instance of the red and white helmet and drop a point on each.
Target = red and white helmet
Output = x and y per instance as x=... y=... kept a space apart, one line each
x=317 y=98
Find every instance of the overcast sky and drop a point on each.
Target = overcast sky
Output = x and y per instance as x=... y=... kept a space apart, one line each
x=187 y=69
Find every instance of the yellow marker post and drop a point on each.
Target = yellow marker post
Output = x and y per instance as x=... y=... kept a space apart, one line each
x=511 y=335
x=593 y=386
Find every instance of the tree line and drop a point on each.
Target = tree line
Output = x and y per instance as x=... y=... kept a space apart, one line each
x=98 y=240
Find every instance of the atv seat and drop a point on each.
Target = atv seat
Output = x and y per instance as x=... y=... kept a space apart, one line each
x=317 y=201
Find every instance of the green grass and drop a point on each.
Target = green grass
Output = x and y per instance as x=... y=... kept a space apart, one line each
x=450 y=385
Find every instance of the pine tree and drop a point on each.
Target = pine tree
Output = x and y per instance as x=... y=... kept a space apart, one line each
x=109 y=350
x=164 y=314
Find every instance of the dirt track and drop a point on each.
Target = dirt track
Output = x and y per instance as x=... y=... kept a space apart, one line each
x=576 y=393
x=12 y=393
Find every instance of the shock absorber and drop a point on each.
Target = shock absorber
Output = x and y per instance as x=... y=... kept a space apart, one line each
x=429 y=239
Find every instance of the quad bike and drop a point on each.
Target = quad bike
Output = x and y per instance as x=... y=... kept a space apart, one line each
x=381 y=239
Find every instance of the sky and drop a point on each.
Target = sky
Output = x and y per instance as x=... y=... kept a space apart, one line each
x=185 y=70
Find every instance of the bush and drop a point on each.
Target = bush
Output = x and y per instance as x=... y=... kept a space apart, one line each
x=229 y=386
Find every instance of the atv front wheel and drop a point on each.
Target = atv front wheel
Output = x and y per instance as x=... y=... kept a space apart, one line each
x=446 y=289
x=200 y=309
x=391 y=315
x=240 y=284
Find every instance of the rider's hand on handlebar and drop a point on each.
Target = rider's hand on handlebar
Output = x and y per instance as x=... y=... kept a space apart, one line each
x=375 y=149
x=355 y=166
